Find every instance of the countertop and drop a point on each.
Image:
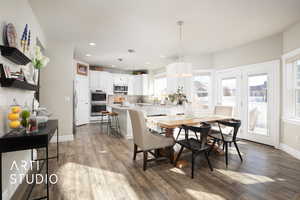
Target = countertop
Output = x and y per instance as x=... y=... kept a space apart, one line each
x=116 y=106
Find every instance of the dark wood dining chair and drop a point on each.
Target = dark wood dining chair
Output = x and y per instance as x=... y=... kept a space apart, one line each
x=227 y=139
x=196 y=146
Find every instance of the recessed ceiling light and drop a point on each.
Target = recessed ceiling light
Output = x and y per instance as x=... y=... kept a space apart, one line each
x=88 y=55
x=112 y=65
x=92 y=44
x=162 y=56
x=148 y=63
x=131 y=50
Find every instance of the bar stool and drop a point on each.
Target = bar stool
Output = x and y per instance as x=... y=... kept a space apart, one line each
x=113 y=123
x=103 y=114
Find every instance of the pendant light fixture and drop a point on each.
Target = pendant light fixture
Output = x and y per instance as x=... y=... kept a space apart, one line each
x=179 y=68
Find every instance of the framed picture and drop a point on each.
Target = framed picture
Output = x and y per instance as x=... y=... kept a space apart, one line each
x=5 y=71
x=82 y=69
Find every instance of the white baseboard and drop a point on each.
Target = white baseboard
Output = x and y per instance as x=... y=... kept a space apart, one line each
x=293 y=152
x=62 y=138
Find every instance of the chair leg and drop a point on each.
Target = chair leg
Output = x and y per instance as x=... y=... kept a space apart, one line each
x=145 y=160
x=212 y=146
x=193 y=160
x=134 y=151
x=236 y=146
x=108 y=125
x=196 y=135
x=226 y=153
x=178 y=134
x=223 y=146
x=178 y=155
x=209 y=164
x=171 y=152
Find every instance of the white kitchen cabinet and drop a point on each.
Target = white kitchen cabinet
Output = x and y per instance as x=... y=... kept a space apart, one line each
x=130 y=85
x=109 y=83
x=101 y=80
x=138 y=85
x=120 y=79
x=145 y=80
x=93 y=80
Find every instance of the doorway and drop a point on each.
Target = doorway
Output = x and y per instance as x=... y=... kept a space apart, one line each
x=253 y=91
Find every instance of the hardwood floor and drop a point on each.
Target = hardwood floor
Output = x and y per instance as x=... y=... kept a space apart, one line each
x=100 y=167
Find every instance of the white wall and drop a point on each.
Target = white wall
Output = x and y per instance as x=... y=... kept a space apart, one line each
x=263 y=50
x=57 y=85
x=19 y=13
x=291 y=38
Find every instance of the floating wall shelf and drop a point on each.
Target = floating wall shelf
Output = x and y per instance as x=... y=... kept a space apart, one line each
x=15 y=55
x=15 y=83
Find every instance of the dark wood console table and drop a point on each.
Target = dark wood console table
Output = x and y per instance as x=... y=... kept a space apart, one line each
x=20 y=142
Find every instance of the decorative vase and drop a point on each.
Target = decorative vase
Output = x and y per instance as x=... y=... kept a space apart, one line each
x=36 y=76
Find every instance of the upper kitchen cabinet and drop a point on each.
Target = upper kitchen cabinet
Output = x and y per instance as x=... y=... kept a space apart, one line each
x=138 y=85
x=120 y=79
x=93 y=80
x=100 y=80
x=109 y=83
x=146 y=84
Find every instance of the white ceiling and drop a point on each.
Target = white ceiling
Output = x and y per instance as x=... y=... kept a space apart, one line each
x=149 y=27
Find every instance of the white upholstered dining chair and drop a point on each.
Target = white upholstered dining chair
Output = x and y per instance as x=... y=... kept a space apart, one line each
x=224 y=110
x=145 y=140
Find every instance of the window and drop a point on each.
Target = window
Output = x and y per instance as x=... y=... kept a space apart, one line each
x=201 y=90
x=291 y=86
x=160 y=86
x=296 y=65
x=229 y=92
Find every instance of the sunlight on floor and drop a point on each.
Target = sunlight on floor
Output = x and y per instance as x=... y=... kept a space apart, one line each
x=92 y=183
x=177 y=170
x=247 y=177
x=203 y=195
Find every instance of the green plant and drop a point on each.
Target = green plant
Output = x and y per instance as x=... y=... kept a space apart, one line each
x=178 y=96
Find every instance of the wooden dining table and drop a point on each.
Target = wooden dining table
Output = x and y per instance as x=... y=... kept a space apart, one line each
x=170 y=122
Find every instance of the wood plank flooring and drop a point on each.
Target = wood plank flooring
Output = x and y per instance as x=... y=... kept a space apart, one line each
x=100 y=167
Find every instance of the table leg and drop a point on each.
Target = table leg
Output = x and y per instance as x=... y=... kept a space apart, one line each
x=170 y=132
x=57 y=146
x=0 y=176
x=47 y=172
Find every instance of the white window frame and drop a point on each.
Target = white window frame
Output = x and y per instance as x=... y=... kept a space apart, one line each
x=211 y=73
x=288 y=89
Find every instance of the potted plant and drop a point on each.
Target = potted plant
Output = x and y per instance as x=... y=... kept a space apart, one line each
x=178 y=97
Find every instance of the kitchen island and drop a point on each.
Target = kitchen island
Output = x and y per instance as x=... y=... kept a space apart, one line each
x=148 y=109
x=124 y=119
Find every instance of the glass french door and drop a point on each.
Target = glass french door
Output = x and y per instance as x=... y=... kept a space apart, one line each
x=253 y=92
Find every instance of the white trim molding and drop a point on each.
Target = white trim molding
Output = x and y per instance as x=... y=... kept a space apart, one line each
x=293 y=152
x=290 y=120
x=288 y=88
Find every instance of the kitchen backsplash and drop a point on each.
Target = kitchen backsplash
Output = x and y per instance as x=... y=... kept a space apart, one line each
x=129 y=98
